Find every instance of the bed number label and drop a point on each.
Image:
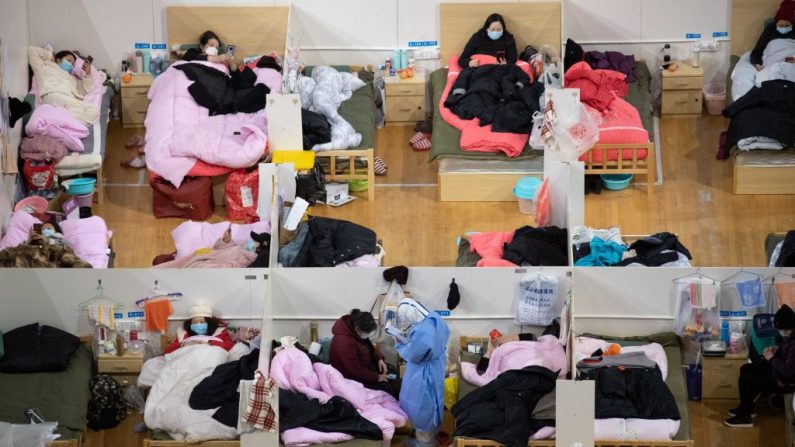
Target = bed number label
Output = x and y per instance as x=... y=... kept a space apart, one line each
x=135 y=314
x=720 y=34
x=159 y=46
x=118 y=315
x=423 y=43
x=142 y=46
x=443 y=313
x=693 y=36
x=733 y=313
x=246 y=197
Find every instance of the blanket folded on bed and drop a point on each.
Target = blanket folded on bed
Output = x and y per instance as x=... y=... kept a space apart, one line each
x=323 y=93
x=58 y=123
x=179 y=131
x=474 y=137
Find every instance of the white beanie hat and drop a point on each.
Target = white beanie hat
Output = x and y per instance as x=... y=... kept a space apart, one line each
x=409 y=313
x=201 y=310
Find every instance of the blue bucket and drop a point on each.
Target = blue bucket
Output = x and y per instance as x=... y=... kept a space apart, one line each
x=616 y=182
x=81 y=186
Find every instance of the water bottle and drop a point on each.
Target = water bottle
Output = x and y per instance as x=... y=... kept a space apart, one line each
x=724 y=331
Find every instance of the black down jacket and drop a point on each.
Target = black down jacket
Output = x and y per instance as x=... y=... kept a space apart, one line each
x=219 y=390
x=331 y=242
x=500 y=411
x=37 y=348
x=638 y=393
x=766 y=111
x=316 y=129
x=786 y=257
x=500 y=95
x=336 y=415
x=222 y=94
x=538 y=246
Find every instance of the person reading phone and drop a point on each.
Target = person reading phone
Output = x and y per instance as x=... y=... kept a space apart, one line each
x=493 y=39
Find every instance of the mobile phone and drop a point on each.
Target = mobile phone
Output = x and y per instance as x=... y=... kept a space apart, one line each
x=37 y=228
x=90 y=59
x=230 y=50
x=500 y=55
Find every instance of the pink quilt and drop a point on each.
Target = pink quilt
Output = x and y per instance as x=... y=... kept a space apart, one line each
x=58 y=123
x=475 y=138
x=293 y=371
x=546 y=352
x=89 y=238
x=179 y=132
x=190 y=236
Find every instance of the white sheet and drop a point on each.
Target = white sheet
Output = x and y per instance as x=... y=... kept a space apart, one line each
x=167 y=406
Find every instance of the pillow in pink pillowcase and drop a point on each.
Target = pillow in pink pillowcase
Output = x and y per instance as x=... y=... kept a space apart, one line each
x=18 y=229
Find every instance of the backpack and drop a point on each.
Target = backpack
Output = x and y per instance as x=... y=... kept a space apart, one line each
x=312 y=185
x=107 y=408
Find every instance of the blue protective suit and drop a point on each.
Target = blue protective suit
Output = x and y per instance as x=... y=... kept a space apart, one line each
x=422 y=391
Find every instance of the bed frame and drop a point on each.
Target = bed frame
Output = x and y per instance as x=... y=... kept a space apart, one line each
x=156 y=443
x=351 y=155
x=467 y=442
x=621 y=165
x=747 y=17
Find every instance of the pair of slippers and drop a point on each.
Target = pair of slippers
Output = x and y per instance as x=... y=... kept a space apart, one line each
x=137 y=161
x=379 y=166
x=421 y=142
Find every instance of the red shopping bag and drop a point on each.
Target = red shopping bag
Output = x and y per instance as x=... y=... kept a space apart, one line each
x=242 y=191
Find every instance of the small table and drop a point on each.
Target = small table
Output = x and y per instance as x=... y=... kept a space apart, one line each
x=681 y=90
x=124 y=369
x=134 y=100
x=720 y=375
x=405 y=98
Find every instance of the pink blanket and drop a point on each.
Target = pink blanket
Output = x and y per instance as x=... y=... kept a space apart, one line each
x=546 y=352
x=58 y=123
x=223 y=255
x=475 y=138
x=89 y=238
x=190 y=236
x=293 y=371
x=179 y=131
x=490 y=247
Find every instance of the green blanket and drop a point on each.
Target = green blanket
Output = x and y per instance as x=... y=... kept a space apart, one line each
x=639 y=96
x=61 y=396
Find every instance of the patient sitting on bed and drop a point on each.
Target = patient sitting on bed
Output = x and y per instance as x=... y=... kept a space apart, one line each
x=780 y=29
x=59 y=84
x=201 y=327
x=492 y=40
x=209 y=46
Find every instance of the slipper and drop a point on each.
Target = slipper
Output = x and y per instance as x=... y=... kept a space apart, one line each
x=418 y=137
x=142 y=150
x=379 y=166
x=136 y=162
x=422 y=145
x=135 y=141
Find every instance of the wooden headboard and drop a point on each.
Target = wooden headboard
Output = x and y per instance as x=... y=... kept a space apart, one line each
x=254 y=30
x=531 y=23
x=748 y=17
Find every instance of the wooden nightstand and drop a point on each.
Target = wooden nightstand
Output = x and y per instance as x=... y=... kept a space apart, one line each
x=682 y=90
x=719 y=376
x=124 y=369
x=405 y=99
x=134 y=101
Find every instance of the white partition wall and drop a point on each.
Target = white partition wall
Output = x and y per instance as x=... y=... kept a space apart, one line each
x=53 y=296
x=634 y=301
x=303 y=295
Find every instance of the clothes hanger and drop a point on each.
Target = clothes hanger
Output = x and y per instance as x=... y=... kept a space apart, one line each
x=157 y=293
x=780 y=272
x=698 y=274
x=742 y=270
x=99 y=295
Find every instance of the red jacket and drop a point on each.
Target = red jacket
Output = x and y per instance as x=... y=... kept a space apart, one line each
x=226 y=340
x=355 y=358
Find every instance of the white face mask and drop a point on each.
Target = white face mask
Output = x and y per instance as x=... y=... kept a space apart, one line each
x=367 y=336
x=211 y=51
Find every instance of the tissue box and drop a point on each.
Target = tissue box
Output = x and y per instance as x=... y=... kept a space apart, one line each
x=336 y=192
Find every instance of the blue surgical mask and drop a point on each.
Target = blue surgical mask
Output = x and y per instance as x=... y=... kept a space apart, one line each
x=47 y=232
x=251 y=245
x=66 y=66
x=199 y=328
x=494 y=35
x=784 y=29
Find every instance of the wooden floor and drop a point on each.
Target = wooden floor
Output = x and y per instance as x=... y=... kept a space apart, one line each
x=695 y=202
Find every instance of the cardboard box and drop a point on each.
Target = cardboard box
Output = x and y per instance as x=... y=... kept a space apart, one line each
x=336 y=193
x=63 y=206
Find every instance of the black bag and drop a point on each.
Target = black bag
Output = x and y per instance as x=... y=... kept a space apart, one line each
x=312 y=185
x=528 y=52
x=107 y=408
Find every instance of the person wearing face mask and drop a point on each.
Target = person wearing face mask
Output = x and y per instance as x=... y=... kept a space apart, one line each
x=781 y=28
x=209 y=48
x=776 y=375
x=353 y=354
x=64 y=81
x=201 y=323
x=492 y=40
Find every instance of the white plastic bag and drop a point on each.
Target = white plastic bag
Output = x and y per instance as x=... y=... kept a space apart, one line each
x=537 y=300
x=536 y=142
x=27 y=435
x=569 y=128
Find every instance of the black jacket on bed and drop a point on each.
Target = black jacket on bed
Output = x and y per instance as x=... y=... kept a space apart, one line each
x=37 y=348
x=786 y=258
x=330 y=242
x=481 y=43
x=638 y=393
x=769 y=34
x=219 y=390
x=315 y=127
x=767 y=111
x=222 y=94
x=500 y=95
x=650 y=250
x=538 y=246
x=337 y=415
x=501 y=410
